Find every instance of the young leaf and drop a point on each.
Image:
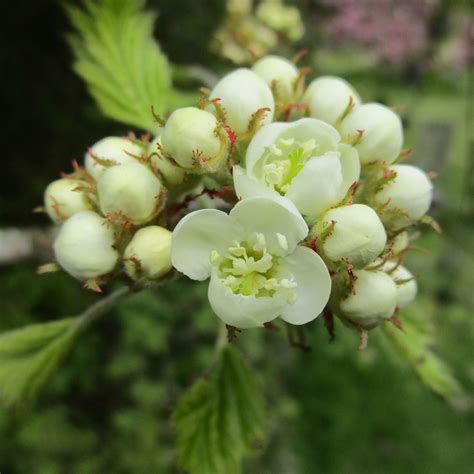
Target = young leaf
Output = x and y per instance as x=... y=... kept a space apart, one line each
x=118 y=58
x=30 y=355
x=415 y=344
x=219 y=419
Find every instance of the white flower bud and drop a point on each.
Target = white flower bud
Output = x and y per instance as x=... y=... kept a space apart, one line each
x=84 y=246
x=114 y=149
x=173 y=174
x=405 y=283
x=148 y=255
x=406 y=198
x=130 y=190
x=62 y=201
x=192 y=138
x=357 y=234
x=382 y=137
x=374 y=299
x=283 y=72
x=399 y=243
x=329 y=98
x=242 y=93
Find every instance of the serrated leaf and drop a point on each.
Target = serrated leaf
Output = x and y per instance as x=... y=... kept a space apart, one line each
x=415 y=344
x=120 y=61
x=30 y=355
x=218 y=419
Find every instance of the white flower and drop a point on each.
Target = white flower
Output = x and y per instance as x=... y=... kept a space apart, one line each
x=374 y=299
x=62 y=199
x=382 y=137
x=407 y=287
x=84 y=246
x=130 y=190
x=278 y=70
x=242 y=93
x=192 y=137
x=148 y=255
x=258 y=272
x=406 y=198
x=356 y=234
x=329 y=98
x=301 y=160
x=116 y=150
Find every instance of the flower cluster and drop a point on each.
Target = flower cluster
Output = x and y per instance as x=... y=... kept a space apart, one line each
x=290 y=198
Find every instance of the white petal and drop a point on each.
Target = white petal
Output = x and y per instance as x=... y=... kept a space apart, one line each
x=196 y=236
x=261 y=140
x=314 y=285
x=317 y=186
x=270 y=217
x=350 y=164
x=243 y=311
x=248 y=186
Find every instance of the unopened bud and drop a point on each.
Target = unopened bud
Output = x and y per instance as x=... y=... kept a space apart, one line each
x=278 y=71
x=376 y=132
x=406 y=198
x=63 y=198
x=113 y=151
x=405 y=283
x=84 y=246
x=357 y=234
x=373 y=299
x=192 y=137
x=172 y=174
x=330 y=99
x=131 y=191
x=242 y=93
x=148 y=255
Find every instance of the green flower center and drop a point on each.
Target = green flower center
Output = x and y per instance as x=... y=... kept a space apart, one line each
x=283 y=160
x=248 y=268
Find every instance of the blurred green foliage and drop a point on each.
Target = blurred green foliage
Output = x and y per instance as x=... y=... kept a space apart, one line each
x=332 y=410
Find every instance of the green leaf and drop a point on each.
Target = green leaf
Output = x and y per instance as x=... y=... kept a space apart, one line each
x=30 y=355
x=220 y=418
x=415 y=344
x=121 y=63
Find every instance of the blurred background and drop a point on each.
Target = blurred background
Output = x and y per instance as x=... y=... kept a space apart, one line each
x=332 y=410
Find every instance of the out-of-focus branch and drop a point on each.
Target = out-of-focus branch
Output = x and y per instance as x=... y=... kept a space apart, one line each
x=33 y=243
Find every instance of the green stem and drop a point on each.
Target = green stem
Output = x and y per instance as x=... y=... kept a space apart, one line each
x=100 y=308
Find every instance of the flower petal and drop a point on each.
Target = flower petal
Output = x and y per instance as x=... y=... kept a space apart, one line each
x=273 y=217
x=350 y=164
x=314 y=285
x=196 y=236
x=247 y=186
x=243 y=311
x=318 y=185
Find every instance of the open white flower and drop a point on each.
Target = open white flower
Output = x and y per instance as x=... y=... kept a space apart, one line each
x=302 y=161
x=258 y=272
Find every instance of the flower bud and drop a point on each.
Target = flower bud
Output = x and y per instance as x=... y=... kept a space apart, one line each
x=282 y=18
x=116 y=150
x=132 y=191
x=62 y=199
x=84 y=246
x=278 y=71
x=382 y=133
x=399 y=243
x=329 y=98
x=172 y=174
x=405 y=283
x=241 y=94
x=374 y=299
x=148 y=255
x=406 y=198
x=354 y=232
x=192 y=137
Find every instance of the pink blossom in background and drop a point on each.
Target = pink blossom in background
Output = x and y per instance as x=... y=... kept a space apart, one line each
x=392 y=29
